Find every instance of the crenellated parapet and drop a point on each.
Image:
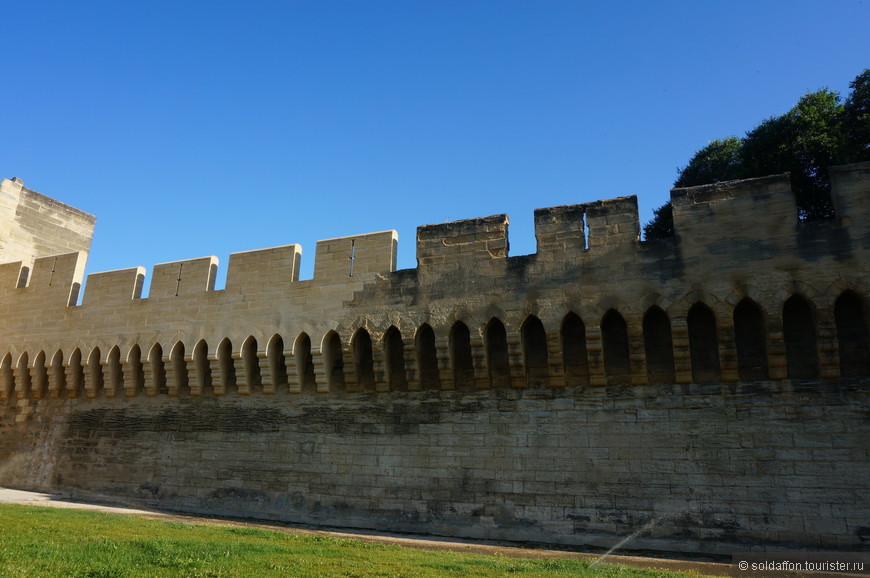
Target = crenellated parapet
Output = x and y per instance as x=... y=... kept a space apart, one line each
x=188 y=277
x=590 y=229
x=264 y=270
x=52 y=281
x=459 y=244
x=114 y=286
x=739 y=256
x=754 y=215
x=347 y=258
x=850 y=197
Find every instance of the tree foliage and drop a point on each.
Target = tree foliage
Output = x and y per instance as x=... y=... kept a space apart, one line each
x=820 y=131
x=857 y=115
x=718 y=161
x=662 y=224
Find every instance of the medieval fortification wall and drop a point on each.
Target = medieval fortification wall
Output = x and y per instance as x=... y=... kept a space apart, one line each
x=713 y=386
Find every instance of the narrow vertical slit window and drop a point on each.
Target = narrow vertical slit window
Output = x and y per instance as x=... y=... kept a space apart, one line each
x=53 y=267
x=178 y=281
x=352 y=255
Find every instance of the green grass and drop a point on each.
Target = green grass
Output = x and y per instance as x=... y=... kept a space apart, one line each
x=57 y=542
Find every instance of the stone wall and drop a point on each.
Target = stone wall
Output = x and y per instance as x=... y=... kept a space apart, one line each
x=714 y=385
x=33 y=225
x=715 y=469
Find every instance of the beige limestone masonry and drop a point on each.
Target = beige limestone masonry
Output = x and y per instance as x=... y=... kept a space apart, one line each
x=716 y=382
x=33 y=225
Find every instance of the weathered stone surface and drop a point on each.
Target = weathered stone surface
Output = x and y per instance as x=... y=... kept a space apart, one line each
x=33 y=225
x=482 y=394
x=435 y=463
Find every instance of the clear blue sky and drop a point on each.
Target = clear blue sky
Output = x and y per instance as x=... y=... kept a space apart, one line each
x=202 y=128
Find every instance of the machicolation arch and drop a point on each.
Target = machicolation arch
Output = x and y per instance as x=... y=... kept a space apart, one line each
x=519 y=359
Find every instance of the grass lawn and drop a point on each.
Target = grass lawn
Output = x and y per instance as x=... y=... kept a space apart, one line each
x=42 y=542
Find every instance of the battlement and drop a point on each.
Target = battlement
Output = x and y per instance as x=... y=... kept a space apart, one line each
x=542 y=391
x=849 y=184
x=752 y=210
x=338 y=261
x=345 y=258
x=115 y=286
x=262 y=269
x=589 y=226
x=753 y=218
x=55 y=279
x=458 y=244
x=732 y=239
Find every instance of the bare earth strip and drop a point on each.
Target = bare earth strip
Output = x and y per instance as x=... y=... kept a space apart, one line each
x=425 y=543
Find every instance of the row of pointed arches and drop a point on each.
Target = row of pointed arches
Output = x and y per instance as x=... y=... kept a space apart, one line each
x=697 y=348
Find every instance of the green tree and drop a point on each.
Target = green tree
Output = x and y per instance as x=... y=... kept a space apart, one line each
x=721 y=160
x=804 y=142
x=856 y=113
x=818 y=132
x=662 y=224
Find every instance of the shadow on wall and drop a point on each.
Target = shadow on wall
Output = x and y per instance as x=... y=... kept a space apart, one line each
x=813 y=347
